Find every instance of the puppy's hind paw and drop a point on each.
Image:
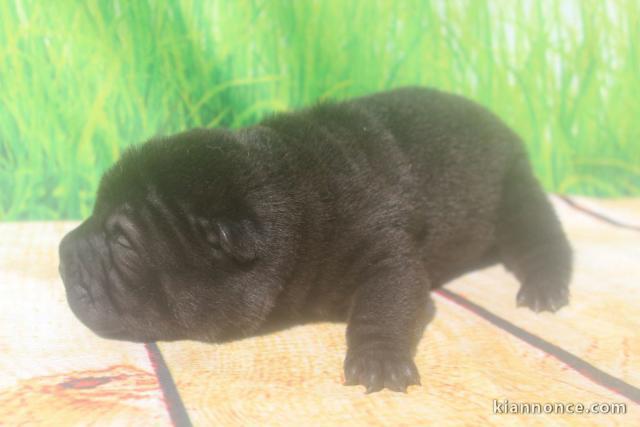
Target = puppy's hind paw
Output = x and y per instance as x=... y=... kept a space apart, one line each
x=543 y=296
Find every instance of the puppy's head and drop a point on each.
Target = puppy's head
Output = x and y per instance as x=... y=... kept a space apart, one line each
x=171 y=248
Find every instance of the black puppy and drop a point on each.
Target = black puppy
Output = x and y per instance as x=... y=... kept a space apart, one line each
x=349 y=211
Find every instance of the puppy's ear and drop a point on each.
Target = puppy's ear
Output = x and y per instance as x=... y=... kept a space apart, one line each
x=237 y=239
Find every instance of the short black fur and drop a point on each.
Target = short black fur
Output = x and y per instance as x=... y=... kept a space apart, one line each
x=347 y=211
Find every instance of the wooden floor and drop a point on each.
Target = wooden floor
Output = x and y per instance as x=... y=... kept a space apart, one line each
x=480 y=348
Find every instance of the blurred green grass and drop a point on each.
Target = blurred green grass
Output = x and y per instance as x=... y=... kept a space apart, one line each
x=81 y=80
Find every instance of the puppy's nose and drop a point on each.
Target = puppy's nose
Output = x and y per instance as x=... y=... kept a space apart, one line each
x=61 y=270
x=69 y=264
x=65 y=257
x=65 y=246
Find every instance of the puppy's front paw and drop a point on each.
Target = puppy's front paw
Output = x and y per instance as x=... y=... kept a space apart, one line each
x=543 y=295
x=376 y=369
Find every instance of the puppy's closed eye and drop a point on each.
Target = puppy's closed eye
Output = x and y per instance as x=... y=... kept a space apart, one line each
x=116 y=233
x=121 y=240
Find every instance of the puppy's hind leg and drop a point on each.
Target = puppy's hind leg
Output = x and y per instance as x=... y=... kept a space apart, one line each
x=532 y=243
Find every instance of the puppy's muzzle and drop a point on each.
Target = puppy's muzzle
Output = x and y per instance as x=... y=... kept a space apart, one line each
x=80 y=269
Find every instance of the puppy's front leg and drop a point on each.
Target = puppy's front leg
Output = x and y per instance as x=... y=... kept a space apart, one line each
x=388 y=315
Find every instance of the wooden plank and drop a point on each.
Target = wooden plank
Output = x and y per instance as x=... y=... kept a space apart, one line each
x=294 y=377
x=625 y=210
x=601 y=324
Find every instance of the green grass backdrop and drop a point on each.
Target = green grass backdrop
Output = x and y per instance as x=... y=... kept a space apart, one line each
x=81 y=80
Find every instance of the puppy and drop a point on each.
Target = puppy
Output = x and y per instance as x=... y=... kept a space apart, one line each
x=344 y=211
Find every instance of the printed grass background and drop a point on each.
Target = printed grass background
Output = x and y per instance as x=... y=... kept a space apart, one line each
x=81 y=80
